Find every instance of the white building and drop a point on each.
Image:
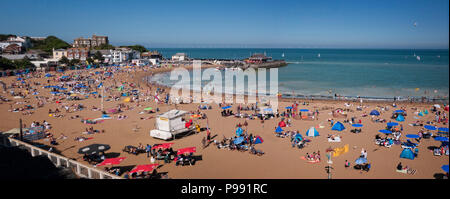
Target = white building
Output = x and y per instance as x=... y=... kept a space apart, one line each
x=140 y=62
x=23 y=42
x=59 y=53
x=121 y=55
x=180 y=57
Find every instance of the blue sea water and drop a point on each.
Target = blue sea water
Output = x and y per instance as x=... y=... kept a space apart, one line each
x=374 y=73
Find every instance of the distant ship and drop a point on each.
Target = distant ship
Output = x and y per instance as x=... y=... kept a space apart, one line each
x=418 y=58
x=318 y=55
x=282 y=55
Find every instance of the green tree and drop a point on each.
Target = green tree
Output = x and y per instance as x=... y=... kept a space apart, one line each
x=6 y=64
x=49 y=43
x=64 y=60
x=74 y=62
x=98 y=56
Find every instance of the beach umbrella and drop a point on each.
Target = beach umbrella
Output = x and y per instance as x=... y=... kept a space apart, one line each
x=437 y=106
x=279 y=129
x=289 y=107
x=429 y=127
x=226 y=107
x=238 y=140
x=357 y=125
x=361 y=160
x=94 y=148
x=148 y=108
x=187 y=150
x=392 y=124
x=399 y=111
x=304 y=110
x=445 y=168
x=385 y=131
x=412 y=136
x=111 y=161
x=144 y=168
x=442 y=139
x=374 y=112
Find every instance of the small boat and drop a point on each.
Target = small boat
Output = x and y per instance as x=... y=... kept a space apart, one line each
x=318 y=55
x=282 y=55
x=418 y=58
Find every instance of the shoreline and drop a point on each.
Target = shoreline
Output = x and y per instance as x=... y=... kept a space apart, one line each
x=142 y=77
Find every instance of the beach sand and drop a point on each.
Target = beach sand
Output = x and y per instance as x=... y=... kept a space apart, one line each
x=280 y=160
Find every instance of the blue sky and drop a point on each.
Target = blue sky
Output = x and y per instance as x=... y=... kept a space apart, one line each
x=234 y=23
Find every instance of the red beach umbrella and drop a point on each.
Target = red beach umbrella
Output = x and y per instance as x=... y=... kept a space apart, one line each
x=143 y=168
x=111 y=161
x=187 y=150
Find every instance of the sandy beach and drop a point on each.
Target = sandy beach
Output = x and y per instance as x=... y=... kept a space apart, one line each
x=280 y=161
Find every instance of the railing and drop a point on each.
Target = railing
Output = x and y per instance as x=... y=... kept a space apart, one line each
x=60 y=161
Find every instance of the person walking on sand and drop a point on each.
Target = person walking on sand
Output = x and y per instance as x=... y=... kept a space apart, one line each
x=204 y=142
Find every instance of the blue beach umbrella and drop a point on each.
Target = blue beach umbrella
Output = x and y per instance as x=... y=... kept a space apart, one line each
x=357 y=125
x=392 y=124
x=385 y=131
x=399 y=111
x=361 y=160
x=289 y=107
x=304 y=110
x=442 y=139
x=226 y=107
x=239 y=131
x=445 y=168
x=429 y=127
x=412 y=136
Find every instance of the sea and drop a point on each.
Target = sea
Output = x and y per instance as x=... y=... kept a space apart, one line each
x=324 y=73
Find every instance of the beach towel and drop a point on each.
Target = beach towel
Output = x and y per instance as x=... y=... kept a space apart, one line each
x=336 y=139
x=309 y=161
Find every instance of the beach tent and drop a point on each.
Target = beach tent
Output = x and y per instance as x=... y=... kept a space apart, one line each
x=312 y=132
x=338 y=126
x=357 y=125
x=127 y=99
x=446 y=108
x=407 y=153
x=304 y=110
x=282 y=124
x=279 y=130
x=426 y=112
x=399 y=111
x=298 y=137
x=361 y=160
x=374 y=112
x=443 y=129
x=239 y=131
x=289 y=107
x=400 y=118
x=258 y=140
x=421 y=113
